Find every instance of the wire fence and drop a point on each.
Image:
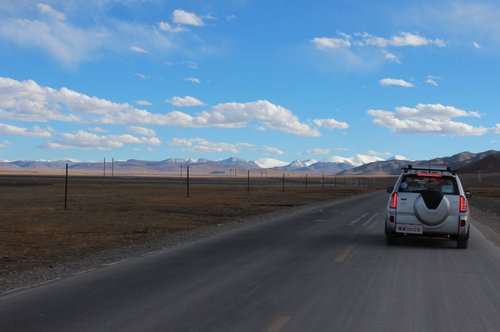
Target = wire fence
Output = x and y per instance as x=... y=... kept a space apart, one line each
x=72 y=188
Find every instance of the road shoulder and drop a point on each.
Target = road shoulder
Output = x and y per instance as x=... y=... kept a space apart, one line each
x=488 y=224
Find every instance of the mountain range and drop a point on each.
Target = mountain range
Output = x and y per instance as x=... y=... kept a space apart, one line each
x=488 y=161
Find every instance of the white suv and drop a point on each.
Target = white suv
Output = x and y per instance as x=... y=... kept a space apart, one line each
x=428 y=201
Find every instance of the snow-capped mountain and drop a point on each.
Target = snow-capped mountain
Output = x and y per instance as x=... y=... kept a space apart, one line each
x=296 y=164
x=397 y=157
x=270 y=163
x=310 y=162
x=356 y=160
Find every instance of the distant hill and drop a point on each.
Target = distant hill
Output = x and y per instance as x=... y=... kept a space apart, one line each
x=386 y=167
x=468 y=162
x=487 y=164
x=464 y=162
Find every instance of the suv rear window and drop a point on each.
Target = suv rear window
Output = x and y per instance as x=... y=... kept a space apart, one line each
x=416 y=183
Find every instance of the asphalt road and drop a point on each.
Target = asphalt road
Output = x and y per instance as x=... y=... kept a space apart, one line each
x=325 y=268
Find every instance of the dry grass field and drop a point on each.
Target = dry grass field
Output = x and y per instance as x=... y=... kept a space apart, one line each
x=103 y=214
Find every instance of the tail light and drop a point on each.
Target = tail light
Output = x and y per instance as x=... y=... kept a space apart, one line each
x=394 y=201
x=463 y=204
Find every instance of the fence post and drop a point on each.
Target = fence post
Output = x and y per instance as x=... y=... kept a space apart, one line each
x=187 y=181
x=66 y=190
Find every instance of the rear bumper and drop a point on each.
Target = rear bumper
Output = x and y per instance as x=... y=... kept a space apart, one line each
x=456 y=228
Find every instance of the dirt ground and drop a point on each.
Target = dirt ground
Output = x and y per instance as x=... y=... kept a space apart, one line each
x=105 y=214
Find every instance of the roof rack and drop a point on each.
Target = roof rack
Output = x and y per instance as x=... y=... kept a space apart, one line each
x=429 y=169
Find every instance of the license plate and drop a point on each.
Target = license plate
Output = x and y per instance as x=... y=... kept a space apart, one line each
x=409 y=229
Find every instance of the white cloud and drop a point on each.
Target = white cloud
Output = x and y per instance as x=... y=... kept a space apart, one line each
x=142 y=76
x=271 y=116
x=167 y=27
x=98 y=130
x=378 y=153
x=63 y=41
x=138 y=49
x=363 y=50
x=428 y=118
x=143 y=103
x=391 y=57
x=190 y=64
x=6 y=129
x=271 y=150
x=4 y=144
x=408 y=39
x=497 y=129
x=326 y=43
x=96 y=33
x=467 y=21
x=27 y=101
x=330 y=124
x=193 y=80
x=203 y=145
x=46 y=9
x=476 y=45
x=88 y=141
x=433 y=80
x=318 y=151
x=395 y=81
x=404 y=39
x=180 y=16
x=142 y=131
x=186 y=101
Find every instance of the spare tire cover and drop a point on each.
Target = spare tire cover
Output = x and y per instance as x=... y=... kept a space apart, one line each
x=431 y=213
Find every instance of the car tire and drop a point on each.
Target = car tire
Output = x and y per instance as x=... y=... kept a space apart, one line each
x=390 y=238
x=463 y=242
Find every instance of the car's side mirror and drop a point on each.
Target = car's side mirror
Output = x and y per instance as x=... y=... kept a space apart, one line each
x=468 y=194
x=389 y=189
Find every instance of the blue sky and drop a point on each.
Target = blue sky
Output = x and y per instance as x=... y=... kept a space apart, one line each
x=88 y=79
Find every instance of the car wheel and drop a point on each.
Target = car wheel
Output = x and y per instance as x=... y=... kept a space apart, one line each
x=390 y=238
x=463 y=242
